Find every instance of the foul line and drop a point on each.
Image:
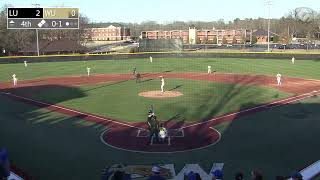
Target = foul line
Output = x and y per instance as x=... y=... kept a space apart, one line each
x=71 y=110
x=271 y=105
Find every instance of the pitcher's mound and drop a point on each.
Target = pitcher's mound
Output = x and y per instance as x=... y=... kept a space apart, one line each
x=159 y=94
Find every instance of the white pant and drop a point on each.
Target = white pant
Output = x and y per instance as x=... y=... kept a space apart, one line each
x=88 y=73
x=279 y=81
x=162 y=85
x=209 y=71
x=15 y=80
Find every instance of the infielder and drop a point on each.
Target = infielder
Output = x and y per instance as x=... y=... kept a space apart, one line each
x=88 y=71
x=162 y=83
x=134 y=71
x=14 y=79
x=209 y=70
x=279 y=79
x=25 y=64
x=151 y=59
x=292 y=60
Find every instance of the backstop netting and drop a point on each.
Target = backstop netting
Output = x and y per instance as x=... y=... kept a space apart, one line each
x=160 y=45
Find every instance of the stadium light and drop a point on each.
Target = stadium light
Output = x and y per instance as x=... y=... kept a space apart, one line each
x=37 y=34
x=268 y=3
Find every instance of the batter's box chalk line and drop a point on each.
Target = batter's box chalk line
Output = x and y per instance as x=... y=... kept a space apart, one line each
x=171 y=133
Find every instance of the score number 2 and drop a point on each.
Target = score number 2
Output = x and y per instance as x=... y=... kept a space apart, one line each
x=38 y=13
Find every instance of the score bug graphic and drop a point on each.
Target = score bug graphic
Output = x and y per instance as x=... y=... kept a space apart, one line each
x=43 y=18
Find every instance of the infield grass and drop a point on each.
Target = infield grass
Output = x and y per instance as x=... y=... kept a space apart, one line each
x=200 y=101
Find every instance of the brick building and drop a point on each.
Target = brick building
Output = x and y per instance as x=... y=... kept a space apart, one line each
x=195 y=36
x=262 y=36
x=113 y=32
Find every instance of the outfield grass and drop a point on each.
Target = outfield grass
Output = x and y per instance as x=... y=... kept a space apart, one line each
x=201 y=100
x=52 y=146
x=302 y=68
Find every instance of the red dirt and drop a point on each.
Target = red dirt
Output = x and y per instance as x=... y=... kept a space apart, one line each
x=123 y=135
x=291 y=85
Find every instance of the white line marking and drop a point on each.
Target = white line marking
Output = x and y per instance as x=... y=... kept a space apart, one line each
x=74 y=111
x=307 y=95
x=154 y=152
x=138 y=133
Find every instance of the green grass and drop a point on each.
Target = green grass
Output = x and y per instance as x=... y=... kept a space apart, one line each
x=302 y=68
x=201 y=100
x=51 y=146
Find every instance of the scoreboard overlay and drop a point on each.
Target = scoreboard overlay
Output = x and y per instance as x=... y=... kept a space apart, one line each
x=42 y=18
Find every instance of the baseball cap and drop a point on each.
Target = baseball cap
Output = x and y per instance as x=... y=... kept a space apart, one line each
x=155 y=169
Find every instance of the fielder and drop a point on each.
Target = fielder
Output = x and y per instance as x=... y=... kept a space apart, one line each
x=292 y=60
x=279 y=79
x=25 y=64
x=14 y=79
x=209 y=70
x=162 y=83
x=151 y=59
x=134 y=71
x=88 y=71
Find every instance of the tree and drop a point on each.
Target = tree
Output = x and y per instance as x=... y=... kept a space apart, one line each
x=224 y=40
x=234 y=40
x=254 y=40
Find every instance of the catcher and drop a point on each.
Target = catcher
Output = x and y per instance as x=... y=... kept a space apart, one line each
x=163 y=133
x=153 y=125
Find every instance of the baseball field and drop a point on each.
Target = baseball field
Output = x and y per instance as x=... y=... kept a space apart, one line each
x=60 y=123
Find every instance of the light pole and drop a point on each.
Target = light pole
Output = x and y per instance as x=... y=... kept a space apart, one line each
x=37 y=34
x=268 y=3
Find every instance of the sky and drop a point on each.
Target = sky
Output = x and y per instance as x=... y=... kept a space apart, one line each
x=164 y=11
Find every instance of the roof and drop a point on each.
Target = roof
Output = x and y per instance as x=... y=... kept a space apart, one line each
x=262 y=32
x=33 y=46
x=104 y=25
x=62 y=45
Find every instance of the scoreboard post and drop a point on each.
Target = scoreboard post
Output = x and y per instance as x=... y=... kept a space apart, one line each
x=42 y=18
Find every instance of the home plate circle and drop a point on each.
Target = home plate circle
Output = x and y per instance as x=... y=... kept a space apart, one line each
x=178 y=140
x=159 y=94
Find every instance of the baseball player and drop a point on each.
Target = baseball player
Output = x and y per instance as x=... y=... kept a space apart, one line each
x=209 y=70
x=162 y=83
x=151 y=59
x=88 y=71
x=134 y=71
x=14 y=79
x=153 y=125
x=162 y=133
x=279 y=79
x=292 y=60
x=25 y=64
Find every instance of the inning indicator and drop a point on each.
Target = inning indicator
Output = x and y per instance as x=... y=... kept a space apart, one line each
x=43 y=18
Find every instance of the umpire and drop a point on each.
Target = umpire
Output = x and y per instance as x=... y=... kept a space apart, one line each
x=153 y=127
